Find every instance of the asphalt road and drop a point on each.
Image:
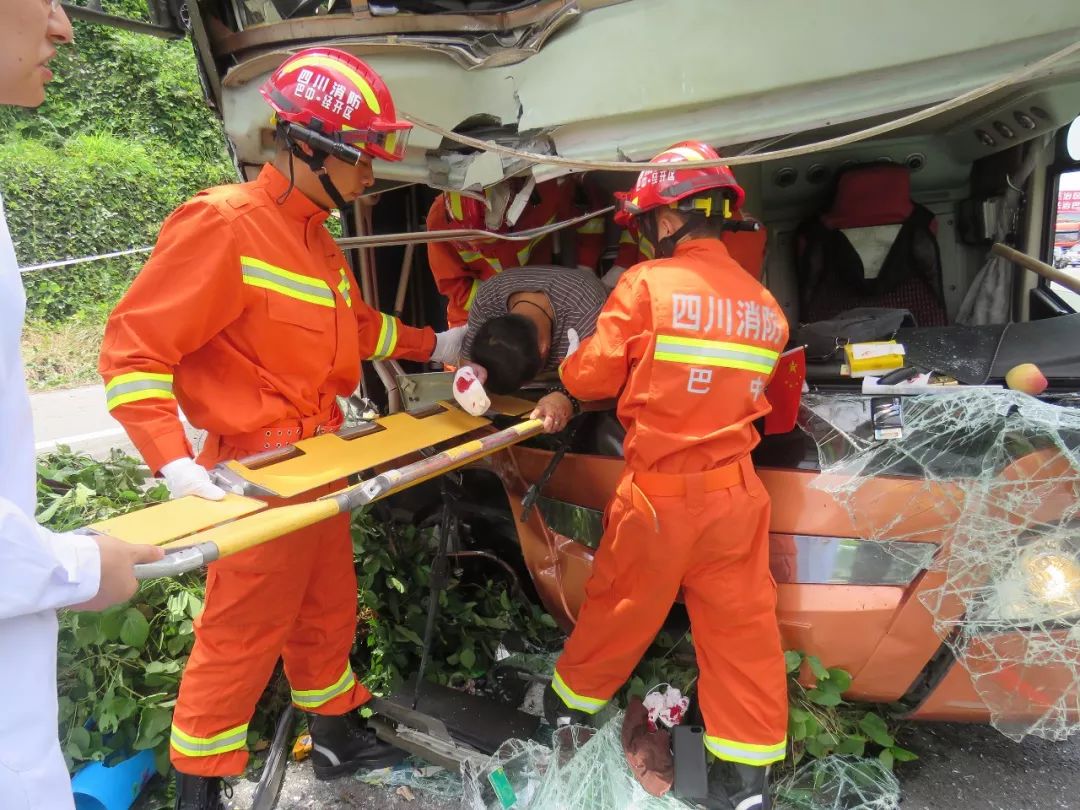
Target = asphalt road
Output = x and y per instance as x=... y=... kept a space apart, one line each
x=960 y=768
x=78 y=418
x=975 y=767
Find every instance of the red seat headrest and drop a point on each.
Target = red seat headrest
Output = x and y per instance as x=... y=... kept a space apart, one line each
x=869 y=196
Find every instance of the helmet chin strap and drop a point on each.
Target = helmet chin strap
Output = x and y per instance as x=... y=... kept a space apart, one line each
x=316 y=162
x=665 y=247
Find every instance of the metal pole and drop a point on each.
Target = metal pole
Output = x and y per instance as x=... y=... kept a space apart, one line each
x=446 y=525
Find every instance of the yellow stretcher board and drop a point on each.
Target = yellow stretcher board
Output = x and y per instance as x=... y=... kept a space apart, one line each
x=321 y=460
x=325 y=459
x=201 y=548
x=161 y=523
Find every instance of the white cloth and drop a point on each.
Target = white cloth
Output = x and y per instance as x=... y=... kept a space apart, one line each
x=39 y=572
x=184 y=477
x=469 y=392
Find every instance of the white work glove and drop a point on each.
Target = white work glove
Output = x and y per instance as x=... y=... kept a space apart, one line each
x=448 y=346
x=469 y=391
x=572 y=342
x=611 y=277
x=185 y=477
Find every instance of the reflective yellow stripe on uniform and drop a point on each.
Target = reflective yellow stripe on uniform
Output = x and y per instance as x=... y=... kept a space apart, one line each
x=257 y=273
x=138 y=385
x=313 y=698
x=387 y=342
x=700 y=352
x=524 y=254
x=592 y=226
x=470 y=256
x=472 y=294
x=344 y=287
x=745 y=753
x=573 y=700
x=189 y=745
x=455 y=206
x=645 y=248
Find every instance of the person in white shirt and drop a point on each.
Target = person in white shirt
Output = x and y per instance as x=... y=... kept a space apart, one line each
x=40 y=571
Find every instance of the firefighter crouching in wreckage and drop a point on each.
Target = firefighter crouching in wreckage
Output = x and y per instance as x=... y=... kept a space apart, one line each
x=247 y=316
x=687 y=343
x=511 y=206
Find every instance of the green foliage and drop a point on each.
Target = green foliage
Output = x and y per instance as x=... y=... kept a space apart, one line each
x=135 y=87
x=95 y=194
x=74 y=489
x=123 y=138
x=821 y=723
x=393 y=573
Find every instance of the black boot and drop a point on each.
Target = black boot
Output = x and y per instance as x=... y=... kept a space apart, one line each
x=733 y=786
x=558 y=714
x=200 y=792
x=343 y=744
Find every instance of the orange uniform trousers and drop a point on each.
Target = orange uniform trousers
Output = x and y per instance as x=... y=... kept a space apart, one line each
x=707 y=533
x=292 y=598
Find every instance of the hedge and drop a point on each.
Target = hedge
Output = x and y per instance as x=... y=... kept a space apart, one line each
x=95 y=194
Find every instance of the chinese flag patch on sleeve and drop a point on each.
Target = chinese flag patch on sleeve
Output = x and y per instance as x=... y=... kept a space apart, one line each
x=784 y=391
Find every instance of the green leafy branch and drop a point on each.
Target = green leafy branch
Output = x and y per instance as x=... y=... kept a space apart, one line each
x=821 y=722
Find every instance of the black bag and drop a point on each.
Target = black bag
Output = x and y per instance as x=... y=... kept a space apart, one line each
x=824 y=340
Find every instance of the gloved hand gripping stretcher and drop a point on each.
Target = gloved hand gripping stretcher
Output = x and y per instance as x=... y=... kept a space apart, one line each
x=195 y=531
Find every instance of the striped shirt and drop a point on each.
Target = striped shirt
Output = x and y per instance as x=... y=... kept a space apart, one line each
x=576 y=296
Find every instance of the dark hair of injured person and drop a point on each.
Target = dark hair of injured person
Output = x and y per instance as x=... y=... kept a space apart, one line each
x=508 y=347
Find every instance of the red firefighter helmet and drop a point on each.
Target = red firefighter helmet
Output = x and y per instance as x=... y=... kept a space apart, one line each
x=338 y=96
x=656 y=187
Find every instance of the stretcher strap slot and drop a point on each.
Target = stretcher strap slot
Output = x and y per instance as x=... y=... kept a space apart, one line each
x=272 y=457
x=428 y=411
x=356 y=431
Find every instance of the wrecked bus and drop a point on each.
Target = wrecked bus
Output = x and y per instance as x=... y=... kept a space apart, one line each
x=884 y=148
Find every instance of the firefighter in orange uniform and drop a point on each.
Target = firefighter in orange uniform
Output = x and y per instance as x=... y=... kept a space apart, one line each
x=248 y=317
x=511 y=206
x=687 y=343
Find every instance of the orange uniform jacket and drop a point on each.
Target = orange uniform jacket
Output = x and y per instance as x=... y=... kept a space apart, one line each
x=459 y=267
x=690 y=342
x=248 y=316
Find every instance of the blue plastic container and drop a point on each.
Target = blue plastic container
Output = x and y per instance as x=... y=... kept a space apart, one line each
x=112 y=787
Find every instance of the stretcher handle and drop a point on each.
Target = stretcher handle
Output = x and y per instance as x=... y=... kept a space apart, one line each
x=178 y=562
x=450 y=459
x=1037 y=267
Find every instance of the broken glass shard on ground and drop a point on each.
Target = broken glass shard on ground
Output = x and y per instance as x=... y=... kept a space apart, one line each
x=585 y=770
x=994 y=478
x=839 y=783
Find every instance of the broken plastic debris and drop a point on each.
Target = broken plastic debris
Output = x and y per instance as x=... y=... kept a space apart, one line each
x=301 y=749
x=667 y=706
x=994 y=477
x=839 y=783
x=418 y=776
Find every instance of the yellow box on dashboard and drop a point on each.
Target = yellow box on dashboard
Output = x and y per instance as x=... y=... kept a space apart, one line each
x=873 y=357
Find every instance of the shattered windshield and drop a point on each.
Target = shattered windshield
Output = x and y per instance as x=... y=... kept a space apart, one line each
x=994 y=476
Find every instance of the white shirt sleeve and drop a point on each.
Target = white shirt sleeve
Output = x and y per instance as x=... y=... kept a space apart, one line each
x=40 y=569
